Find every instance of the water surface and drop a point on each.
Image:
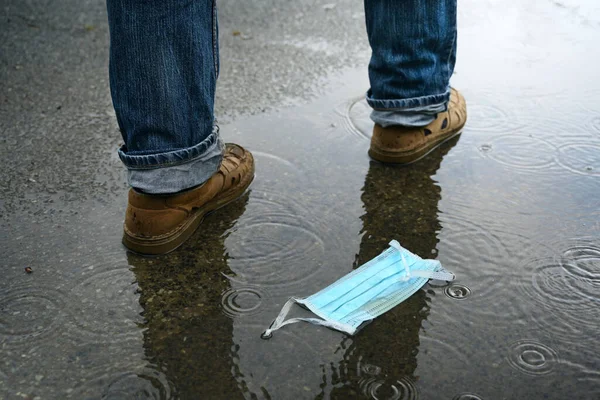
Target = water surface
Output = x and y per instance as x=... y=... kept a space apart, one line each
x=512 y=207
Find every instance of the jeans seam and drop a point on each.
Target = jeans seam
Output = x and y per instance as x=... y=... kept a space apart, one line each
x=151 y=153
x=215 y=38
x=151 y=161
x=399 y=104
x=451 y=50
x=162 y=165
x=448 y=74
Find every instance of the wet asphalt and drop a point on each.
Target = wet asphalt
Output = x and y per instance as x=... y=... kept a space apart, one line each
x=512 y=207
x=59 y=133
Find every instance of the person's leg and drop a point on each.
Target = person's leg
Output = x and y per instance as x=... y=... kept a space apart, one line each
x=164 y=65
x=413 y=46
x=163 y=72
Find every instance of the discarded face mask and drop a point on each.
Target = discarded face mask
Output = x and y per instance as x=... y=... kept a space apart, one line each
x=367 y=292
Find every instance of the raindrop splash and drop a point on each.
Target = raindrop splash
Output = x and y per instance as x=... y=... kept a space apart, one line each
x=457 y=291
x=532 y=357
x=401 y=389
x=243 y=301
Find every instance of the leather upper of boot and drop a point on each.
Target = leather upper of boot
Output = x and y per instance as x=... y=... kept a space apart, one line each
x=152 y=215
x=407 y=139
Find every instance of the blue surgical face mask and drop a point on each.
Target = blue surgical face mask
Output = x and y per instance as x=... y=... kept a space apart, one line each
x=367 y=292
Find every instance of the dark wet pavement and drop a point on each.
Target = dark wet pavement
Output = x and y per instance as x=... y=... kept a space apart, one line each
x=512 y=207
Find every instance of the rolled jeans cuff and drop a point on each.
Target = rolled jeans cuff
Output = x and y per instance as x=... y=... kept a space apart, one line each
x=174 y=171
x=414 y=112
x=412 y=103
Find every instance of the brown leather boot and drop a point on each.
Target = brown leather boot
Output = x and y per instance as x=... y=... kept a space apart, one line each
x=158 y=224
x=402 y=145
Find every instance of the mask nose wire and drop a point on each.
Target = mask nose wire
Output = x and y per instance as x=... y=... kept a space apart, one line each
x=440 y=274
x=407 y=275
x=406 y=268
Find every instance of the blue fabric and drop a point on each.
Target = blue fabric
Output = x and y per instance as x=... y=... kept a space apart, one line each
x=367 y=292
x=372 y=289
x=413 y=46
x=164 y=64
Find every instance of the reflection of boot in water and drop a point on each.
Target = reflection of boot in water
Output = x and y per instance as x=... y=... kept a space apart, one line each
x=188 y=336
x=400 y=203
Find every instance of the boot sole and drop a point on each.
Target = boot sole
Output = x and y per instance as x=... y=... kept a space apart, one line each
x=172 y=240
x=409 y=157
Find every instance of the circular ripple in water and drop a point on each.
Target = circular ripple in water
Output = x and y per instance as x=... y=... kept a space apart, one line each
x=567 y=287
x=485 y=148
x=553 y=285
x=145 y=384
x=596 y=124
x=271 y=366
x=587 y=101
x=28 y=314
x=488 y=118
x=401 y=389
x=436 y=353
x=475 y=255
x=582 y=261
x=273 y=243
x=274 y=162
x=532 y=357
x=571 y=286
x=357 y=118
x=457 y=291
x=581 y=158
x=105 y=303
x=467 y=396
x=521 y=152
x=561 y=130
x=243 y=301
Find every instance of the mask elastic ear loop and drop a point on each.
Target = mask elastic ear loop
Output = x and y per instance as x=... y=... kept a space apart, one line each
x=441 y=275
x=280 y=321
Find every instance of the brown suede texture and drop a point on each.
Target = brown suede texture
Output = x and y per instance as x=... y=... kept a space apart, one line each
x=398 y=139
x=150 y=216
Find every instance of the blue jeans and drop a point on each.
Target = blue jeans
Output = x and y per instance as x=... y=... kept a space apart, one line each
x=413 y=45
x=164 y=63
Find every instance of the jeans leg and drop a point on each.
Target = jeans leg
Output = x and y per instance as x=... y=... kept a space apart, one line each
x=413 y=45
x=163 y=69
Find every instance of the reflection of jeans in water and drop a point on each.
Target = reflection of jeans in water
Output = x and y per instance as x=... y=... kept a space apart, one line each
x=164 y=65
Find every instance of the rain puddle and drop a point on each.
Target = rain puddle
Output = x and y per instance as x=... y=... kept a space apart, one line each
x=512 y=207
